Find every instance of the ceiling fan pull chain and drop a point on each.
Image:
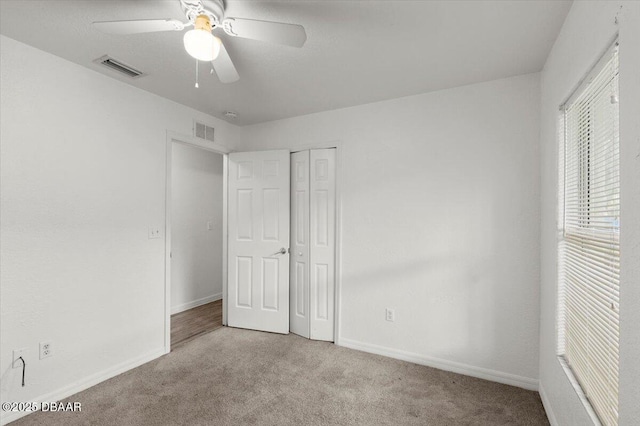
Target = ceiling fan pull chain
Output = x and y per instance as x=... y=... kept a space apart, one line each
x=205 y=16
x=197 y=85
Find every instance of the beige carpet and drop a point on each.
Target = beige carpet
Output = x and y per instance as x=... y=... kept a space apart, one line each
x=239 y=377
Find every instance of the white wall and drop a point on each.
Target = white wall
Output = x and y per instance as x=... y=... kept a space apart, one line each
x=588 y=30
x=440 y=221
x=196 y=198
x=82 y=178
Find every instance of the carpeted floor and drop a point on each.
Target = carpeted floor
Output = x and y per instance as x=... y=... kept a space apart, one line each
x=239 y=377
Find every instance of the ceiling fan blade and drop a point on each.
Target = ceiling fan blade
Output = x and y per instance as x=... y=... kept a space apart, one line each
x=274 y=32
x=139 y=26
x=224 y=67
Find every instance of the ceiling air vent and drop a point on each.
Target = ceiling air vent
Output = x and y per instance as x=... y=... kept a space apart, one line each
x=118 y=66
x=203 y=131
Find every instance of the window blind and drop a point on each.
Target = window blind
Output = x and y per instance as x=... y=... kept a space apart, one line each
x=589 y=251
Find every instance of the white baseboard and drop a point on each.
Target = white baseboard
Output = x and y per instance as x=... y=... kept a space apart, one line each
x=455 y=367
x=83 y=384
x=195 y=303
x=547 y=406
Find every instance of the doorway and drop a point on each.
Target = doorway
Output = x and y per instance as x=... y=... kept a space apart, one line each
x=239 y=269
x=195 y=235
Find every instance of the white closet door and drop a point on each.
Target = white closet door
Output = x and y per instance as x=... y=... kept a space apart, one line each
x=299 y=272
x=258 y=260
x=322 y=223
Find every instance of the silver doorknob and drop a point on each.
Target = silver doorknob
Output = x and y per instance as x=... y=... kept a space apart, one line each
x=282 y=251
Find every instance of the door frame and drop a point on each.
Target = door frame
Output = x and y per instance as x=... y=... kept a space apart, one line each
x=224 y=151
x=338 y=146
x=174 y=137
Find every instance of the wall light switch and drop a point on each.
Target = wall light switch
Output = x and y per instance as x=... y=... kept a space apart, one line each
x=209 y=225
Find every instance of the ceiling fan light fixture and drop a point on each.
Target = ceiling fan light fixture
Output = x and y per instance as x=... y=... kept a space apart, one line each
x=200 y=43
x=205 y=16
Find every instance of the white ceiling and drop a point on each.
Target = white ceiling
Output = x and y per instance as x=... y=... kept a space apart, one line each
x=356 y=52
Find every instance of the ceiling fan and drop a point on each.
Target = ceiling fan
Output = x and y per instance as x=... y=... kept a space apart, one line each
x=200 y=43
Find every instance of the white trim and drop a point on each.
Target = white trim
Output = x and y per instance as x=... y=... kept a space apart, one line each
x=225 y=234
x=547 y=406
x=200 y=143
x=195 y=303
x=167 y=248
x=579 y=391
x=455 y=367
x=84 y=384
x=208 y=146
x=338 y=242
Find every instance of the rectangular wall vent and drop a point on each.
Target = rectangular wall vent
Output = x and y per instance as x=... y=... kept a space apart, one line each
x=203 y=131
x=118 y=66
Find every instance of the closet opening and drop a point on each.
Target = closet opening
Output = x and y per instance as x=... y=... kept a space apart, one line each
x=282 y=244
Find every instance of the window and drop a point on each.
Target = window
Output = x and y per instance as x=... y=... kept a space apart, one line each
x=589 y=250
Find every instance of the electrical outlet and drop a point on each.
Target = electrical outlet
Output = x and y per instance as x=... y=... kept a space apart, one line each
x=46 y=349
x=154 y=232
x=17 y=353
x=390 y=314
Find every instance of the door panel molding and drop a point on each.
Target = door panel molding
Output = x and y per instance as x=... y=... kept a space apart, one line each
x=339 y=147
x=322 y=244
x=258 y=223
x=299 y=276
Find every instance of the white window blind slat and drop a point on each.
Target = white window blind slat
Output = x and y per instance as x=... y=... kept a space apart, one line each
x=589 y=250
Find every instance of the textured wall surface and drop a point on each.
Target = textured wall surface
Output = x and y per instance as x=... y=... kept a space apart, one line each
x=440 y=220
x=82 y=179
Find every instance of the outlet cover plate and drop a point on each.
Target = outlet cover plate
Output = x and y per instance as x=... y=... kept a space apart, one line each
x=390 y=314
x=46 y=350
x=17 y=353
x=154 y=232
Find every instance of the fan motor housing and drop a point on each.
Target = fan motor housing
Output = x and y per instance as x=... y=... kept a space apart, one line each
x=214 y=10
x=203 y=22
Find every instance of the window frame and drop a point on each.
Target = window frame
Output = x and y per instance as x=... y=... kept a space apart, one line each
x=584 y=225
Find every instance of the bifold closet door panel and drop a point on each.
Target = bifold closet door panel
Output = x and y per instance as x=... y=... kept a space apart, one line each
x=299 y=269
x=322 y=224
